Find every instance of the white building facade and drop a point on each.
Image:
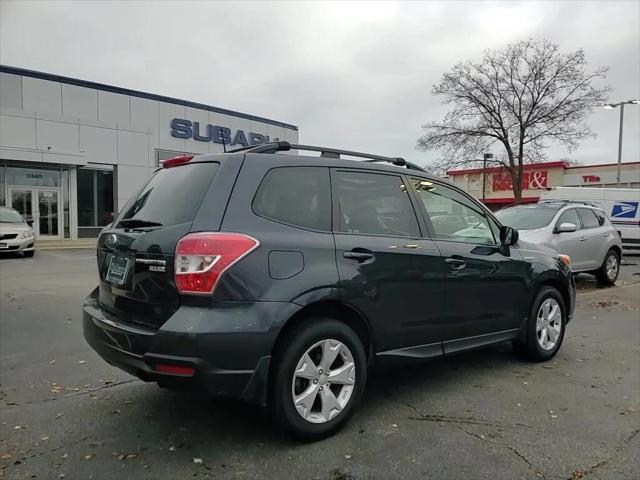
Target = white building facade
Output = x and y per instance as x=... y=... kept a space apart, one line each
x=72 y=152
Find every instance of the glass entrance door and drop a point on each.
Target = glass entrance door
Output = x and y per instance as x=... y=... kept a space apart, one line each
x=48 y=218
x=41 y=206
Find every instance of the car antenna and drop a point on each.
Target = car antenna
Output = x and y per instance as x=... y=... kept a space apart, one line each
x=224 y=145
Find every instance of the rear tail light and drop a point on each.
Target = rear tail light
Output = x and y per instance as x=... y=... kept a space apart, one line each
x=179 y=160
x=202 y=258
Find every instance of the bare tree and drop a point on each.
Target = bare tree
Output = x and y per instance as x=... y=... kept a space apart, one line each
x=521 y=98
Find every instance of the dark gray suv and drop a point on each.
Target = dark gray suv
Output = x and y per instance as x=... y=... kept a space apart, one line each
x=280 y=279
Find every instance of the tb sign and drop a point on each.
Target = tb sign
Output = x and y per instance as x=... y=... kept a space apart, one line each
x=182 y=128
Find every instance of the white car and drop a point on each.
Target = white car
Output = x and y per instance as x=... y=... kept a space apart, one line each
x=16 y=235
x=576 y=229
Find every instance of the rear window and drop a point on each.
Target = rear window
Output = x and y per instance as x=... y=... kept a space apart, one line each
x=527 y=218
x=299 y=196
x=172 y=196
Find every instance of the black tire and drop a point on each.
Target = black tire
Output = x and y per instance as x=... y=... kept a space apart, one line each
x=29 y=253
x=294 y=346
x=531 y=347
x=605 y=279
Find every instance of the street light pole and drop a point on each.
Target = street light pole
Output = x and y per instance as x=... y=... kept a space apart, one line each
x=485 y=157
x=610 y=106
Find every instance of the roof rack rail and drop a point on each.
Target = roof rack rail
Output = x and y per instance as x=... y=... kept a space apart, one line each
x=326 y=152
x=564 y=200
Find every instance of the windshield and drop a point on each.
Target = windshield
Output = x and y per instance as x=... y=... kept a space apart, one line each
x=171 y=197
x=526 y=218
x=8 y=215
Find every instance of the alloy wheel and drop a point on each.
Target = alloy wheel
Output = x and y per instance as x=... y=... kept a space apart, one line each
x=612 y=267
x=549 y=323
x=323 y=381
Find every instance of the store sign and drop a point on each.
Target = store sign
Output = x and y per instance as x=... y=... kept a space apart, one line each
x=530 y=181
x=182 y=128
x=590 y=178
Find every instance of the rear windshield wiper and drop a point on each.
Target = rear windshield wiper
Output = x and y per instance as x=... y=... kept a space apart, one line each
x=136 y=223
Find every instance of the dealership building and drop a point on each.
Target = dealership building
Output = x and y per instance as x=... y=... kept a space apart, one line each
x=72 y=152
x=498 y=186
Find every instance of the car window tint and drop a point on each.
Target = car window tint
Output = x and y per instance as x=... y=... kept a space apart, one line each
x=569 y=216
x=299 y=196
x=173 y=195
x=589 y=219
x=376 y=204
x=453 y=216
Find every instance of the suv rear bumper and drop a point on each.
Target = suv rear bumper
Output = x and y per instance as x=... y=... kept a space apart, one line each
x=227 y=348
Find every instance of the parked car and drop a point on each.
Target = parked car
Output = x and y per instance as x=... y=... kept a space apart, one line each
x=280 y=279
x=580 y=230
x=622 y=206
x=16 y=235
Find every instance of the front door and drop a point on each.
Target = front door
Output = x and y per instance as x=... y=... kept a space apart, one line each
x=486 y=292
x=39 y=206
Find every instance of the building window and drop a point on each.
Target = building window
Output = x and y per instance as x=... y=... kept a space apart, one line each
x=2 y=185
x=95 y=197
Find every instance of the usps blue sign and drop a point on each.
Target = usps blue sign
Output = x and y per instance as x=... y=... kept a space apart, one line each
x=624 y=210
x=182 y=128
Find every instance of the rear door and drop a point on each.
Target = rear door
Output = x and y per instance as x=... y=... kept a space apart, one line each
x=486 y=289
x=387 y=270
x=136 y=252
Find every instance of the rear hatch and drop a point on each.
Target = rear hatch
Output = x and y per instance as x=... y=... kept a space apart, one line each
x=136 y=253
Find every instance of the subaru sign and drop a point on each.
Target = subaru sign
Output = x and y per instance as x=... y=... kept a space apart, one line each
x=182 y=128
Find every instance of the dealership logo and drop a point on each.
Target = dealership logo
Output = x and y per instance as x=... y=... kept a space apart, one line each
x=625 y=210
x=182 y=128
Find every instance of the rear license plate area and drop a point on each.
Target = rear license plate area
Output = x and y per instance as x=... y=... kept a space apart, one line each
x=117 y=270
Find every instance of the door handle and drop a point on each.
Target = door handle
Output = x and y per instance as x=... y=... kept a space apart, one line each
x=358 y=256
x=455 y=263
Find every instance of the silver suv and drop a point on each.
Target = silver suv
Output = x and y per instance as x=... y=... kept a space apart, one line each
x=579 y=230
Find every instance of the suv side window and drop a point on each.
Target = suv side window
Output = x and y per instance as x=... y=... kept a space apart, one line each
x=298 y=196
x=374 y=204
x=589 y=219
x=569 y=216
x=602 y=218
x=453 y=216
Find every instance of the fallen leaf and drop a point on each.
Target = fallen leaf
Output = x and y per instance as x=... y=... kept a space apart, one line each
x=52 y=362
x=348 y=457
x=59 y=415
x=62 y=475
x=172 y=448
x=65 y=455
x=44 y=438
x=17 y=427
x=197 y=460
x=130 y=456
x=81 y=362
x=4 y=456
x=90 y=456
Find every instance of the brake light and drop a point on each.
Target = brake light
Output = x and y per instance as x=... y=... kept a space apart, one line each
x=202 y=258
x=179 y=160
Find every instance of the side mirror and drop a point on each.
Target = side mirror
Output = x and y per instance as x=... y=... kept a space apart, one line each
x=567 y=227
x=30 y=222
x=508 y=236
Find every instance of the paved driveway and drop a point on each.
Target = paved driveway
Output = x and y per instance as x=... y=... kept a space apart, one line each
x=67 y=414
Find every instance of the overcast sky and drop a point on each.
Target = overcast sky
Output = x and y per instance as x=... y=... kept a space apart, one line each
x=351 y=75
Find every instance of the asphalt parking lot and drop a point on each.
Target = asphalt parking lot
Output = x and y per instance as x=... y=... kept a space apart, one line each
x=65 y=413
